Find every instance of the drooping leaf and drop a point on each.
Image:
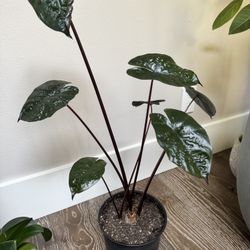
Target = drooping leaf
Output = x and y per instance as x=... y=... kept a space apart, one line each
x=85 y=173
x=202 y=101
x=227 y=13
x=27 y=232
x=27 y=246
x=46 y=99
x=139 y=103
x=8 y=245
x=241 y=22
x=162 y=68
x=55 y=14
x=184 y=140
x=15 y=226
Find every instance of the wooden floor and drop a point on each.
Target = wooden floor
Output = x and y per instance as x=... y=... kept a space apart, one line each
x=200 y=216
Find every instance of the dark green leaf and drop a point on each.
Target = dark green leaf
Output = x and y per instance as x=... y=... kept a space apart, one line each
x=202 y=101
x=27 y=246
x=55 y=14
x=13 y=228
x=47 y=234
x=184 y=140
x=227 y=13
x=139 y=103
x=28 y=232
x=8 y=245
x=241 y=22
x=162 y=68
x=85 y=173
x=46 y=99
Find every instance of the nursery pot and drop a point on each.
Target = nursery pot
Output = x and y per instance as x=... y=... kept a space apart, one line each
x=151 y=244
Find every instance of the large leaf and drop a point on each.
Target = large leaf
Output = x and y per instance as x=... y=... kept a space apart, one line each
x=241 y=22
x=28 y=232
x=162 y=68
x=139 y=103
x=46 y=99
x=227 y=13
x=13 y=228
x=202 y=101
x=8 y=245
x=27 y=246
x=55 y=14
x=85 y=173
x=184 y=140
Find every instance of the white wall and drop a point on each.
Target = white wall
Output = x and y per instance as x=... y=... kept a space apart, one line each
x=113 y=31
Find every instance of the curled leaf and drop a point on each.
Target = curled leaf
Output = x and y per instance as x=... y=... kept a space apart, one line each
x=139 y=103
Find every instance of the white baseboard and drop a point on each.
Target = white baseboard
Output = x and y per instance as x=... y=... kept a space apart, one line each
x=47 y=192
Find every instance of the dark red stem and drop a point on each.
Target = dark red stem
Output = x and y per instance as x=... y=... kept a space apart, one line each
x=101 y=105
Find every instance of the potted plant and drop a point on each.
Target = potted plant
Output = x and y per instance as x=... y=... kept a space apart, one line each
x=129 y=219
x=15 y=233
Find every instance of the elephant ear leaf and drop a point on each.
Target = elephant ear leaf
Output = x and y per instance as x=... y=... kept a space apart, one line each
x=46 y=99
x=85 y=173
x=184 y=140
x=55 y=14
x=241 y=22
x=202 y=101
x=161 y=68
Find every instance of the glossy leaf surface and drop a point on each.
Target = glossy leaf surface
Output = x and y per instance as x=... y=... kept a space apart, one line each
x=55 y=14
x=46 y=99
x=27 y=246
x=227 y=13
x=15 y=222
x=241 y=22
x=184 y=140
x=162 y=68
x=202 y=101
x=139 y=103
x=8 y=245
x=85 y=173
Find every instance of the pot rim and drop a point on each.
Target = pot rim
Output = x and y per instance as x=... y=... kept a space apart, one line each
x=149 y=197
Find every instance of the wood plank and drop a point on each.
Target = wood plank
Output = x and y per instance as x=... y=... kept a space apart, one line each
x=200 y=216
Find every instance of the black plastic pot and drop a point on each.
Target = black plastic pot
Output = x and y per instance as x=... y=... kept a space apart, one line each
x=150 y=245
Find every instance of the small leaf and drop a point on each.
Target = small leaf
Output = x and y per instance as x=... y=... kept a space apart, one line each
x=55 y=14
x=227 y=13
x=27 y=246
x=47 y=234
x=28 y=232
x=139 y=103
x=241 y=22
x=46 y=99
x=8 y=245
x=184 y=140
x=162 y=68
x=202 y=101
x=85 y=173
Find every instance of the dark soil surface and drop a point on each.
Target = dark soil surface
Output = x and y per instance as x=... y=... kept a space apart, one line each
x=148 y=225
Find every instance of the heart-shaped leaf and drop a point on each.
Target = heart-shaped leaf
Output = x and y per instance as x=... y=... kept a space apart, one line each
x=8 y=245
x=55 y=14
x=162 y=68
x=227 y=13
x=139 y=103
x=202 y=101
x=241 y=22
x=46 y=99
x=85 y=173
x=27 y=246
x=184 y=140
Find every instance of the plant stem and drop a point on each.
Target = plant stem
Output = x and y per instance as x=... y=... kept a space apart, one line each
x=101 y=105
x=189 y=105
x=149 y=182
x=111 y=196
x=98 y=142
x=144 y=135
